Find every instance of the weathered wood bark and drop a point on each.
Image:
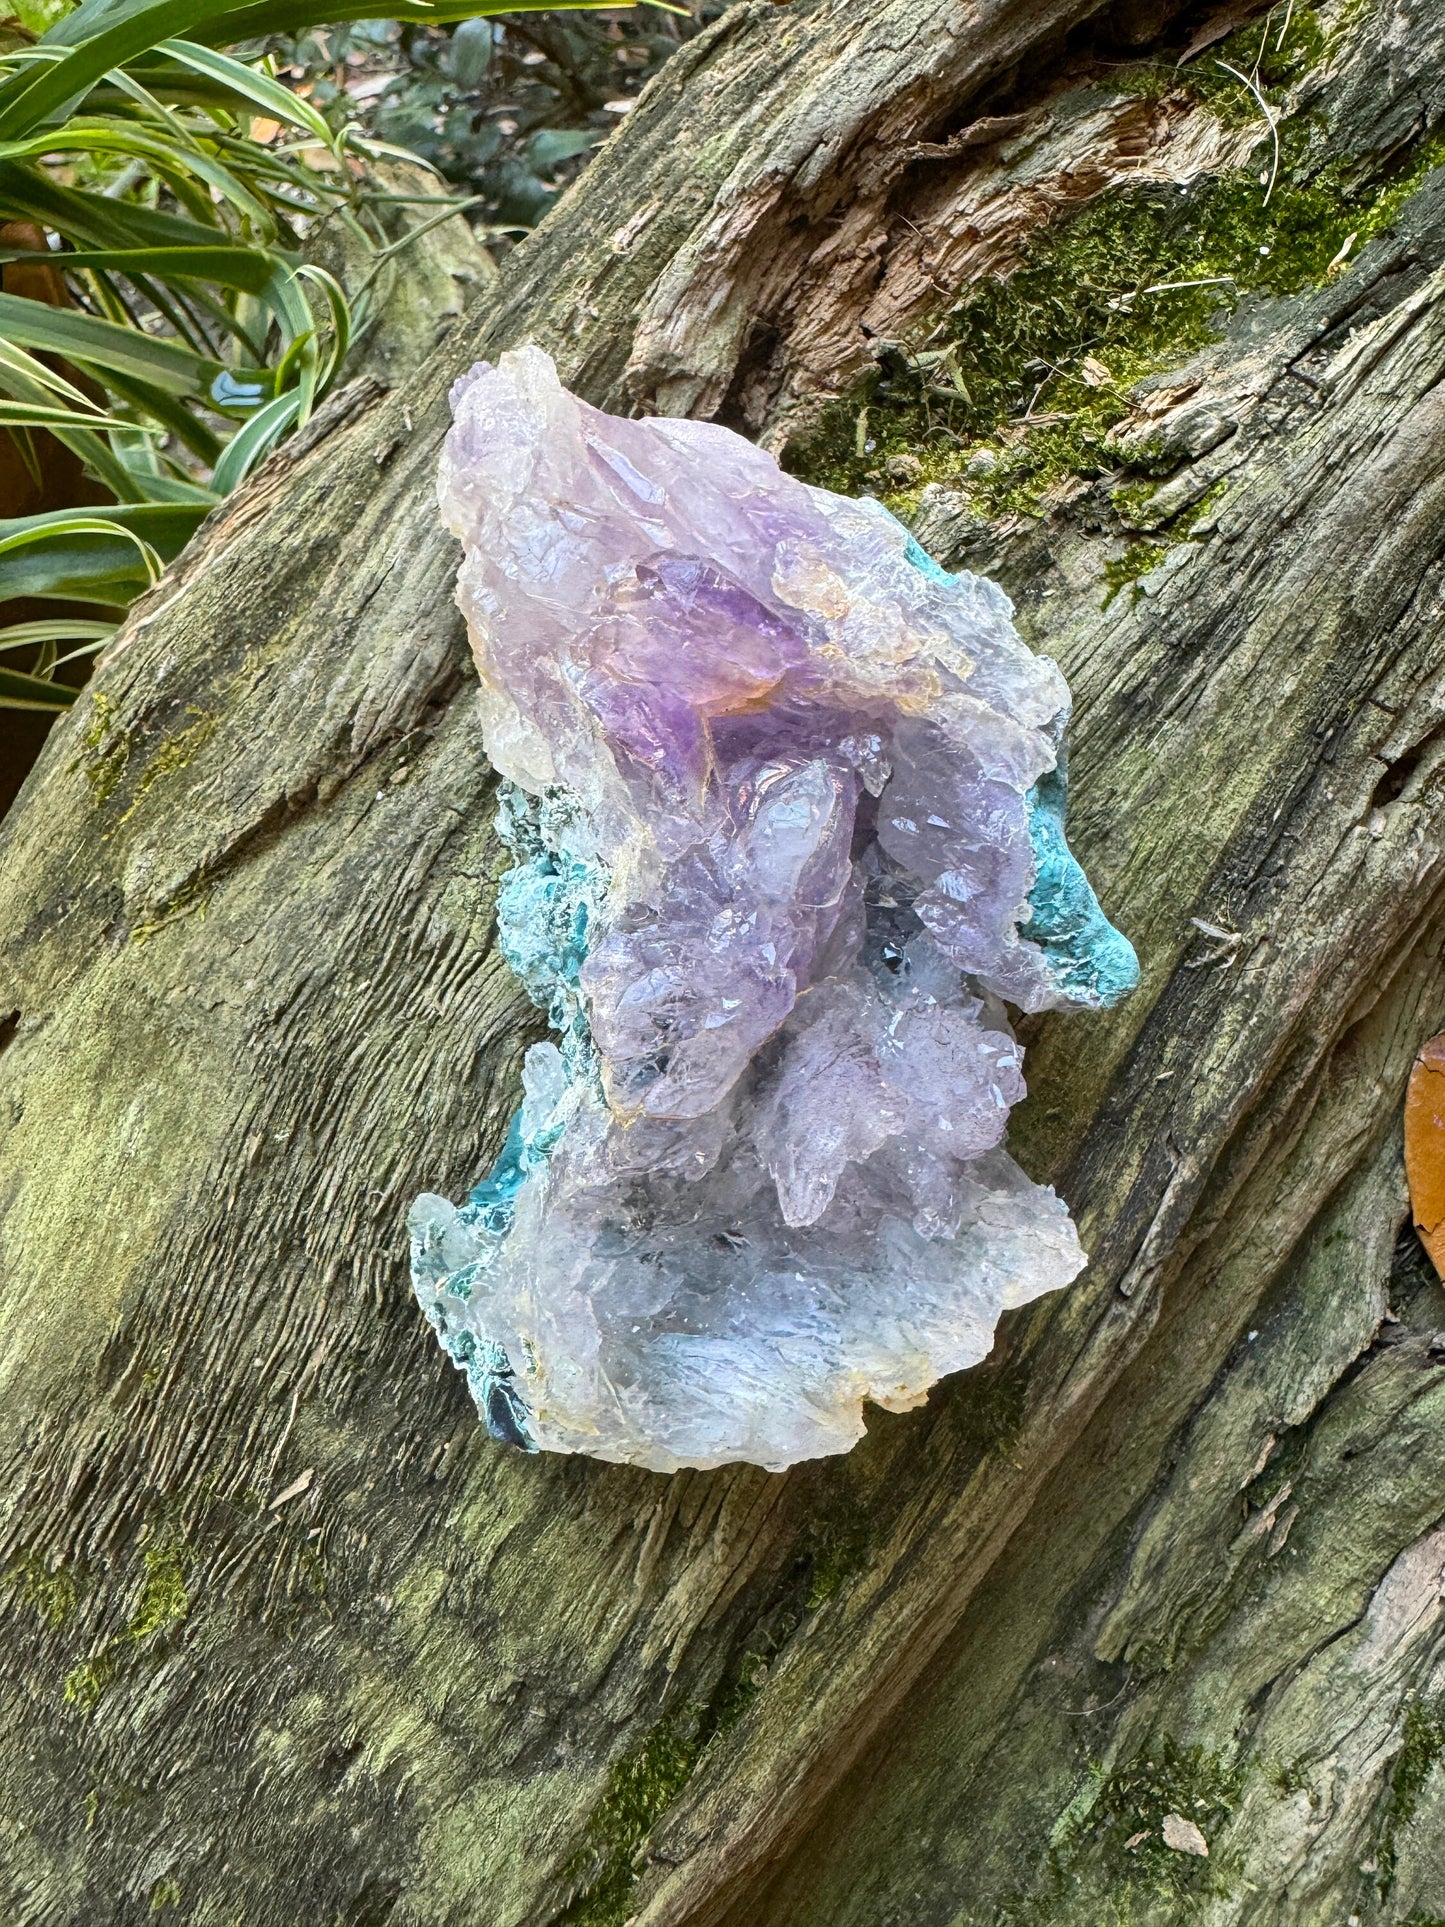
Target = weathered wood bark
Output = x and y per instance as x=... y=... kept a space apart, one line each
x=286 y=1637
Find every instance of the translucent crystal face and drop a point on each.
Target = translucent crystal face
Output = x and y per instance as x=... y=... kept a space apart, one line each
x=787 y=811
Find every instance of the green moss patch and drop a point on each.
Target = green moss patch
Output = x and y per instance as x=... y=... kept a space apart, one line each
x=836 y=1548
x=191 y=900
x=642 y=1785
x=640 y=1788
x=164 y=1600
x=174 y=754
x=1136 y=562
x=1276 y=54
x=1109 y=1840
x=1019 y=388
x=1137 y=1798
x=50 y=1591
x=106 y=749
x=1422 y=1746
x=85 y=1683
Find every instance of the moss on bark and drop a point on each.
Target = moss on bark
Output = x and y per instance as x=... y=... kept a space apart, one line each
x=1019 y=387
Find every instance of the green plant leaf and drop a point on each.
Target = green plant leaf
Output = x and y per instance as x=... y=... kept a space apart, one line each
x=80 y=555
x=251 y=270
x=27 y=635
x=340 y=311
x=25 y=379
x=85 y=561
x=190 y=430
x=28 y=193
x=162 y=490
x=21 y=414
x=170 y=159
x=292 y=16
x=44 y=90
x=105 y=345
x=19 y=691
x=389 y=151
x=164 y=527
x=470 y=53
x=259 y=436
x=29 y=379
x=550 y=146
x=249 y=84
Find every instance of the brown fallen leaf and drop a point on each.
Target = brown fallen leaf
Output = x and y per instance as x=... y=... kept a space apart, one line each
x=1425 y=1147
x=1184 y=1836
x=1135 y=1840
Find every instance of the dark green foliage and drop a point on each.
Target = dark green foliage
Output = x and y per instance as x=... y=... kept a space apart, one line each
x=836 y=1547
x=1160 y=1780
x=643 y=1784
x=507 y=110
x=164 y=1599
x=639 y=1790
x=1136 y=562
x=1274 y=54
x=991 y=1410
x=50 y=1590
x=168 y=193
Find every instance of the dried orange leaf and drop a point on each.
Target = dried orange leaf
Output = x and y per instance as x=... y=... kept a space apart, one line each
x=1425 y=1147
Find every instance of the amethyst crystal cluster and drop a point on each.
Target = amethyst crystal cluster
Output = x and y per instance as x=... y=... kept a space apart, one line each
x=786 y=807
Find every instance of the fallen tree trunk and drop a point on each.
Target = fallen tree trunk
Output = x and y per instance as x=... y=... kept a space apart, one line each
x=287 y=1636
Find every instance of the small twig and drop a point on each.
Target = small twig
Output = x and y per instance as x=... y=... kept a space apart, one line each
x=1268 y=112
x=923 y=260
x=1088 y=1712
x=1343 y=256
x=1204 y=281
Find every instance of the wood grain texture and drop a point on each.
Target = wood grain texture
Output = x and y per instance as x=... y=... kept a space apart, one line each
x=286 y=1636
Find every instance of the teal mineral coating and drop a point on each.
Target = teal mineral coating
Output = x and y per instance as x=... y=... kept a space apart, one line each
x=923 y=561
x=489 y=1214
x=1087 y=957
x=548 y=906
x=493 y=1203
